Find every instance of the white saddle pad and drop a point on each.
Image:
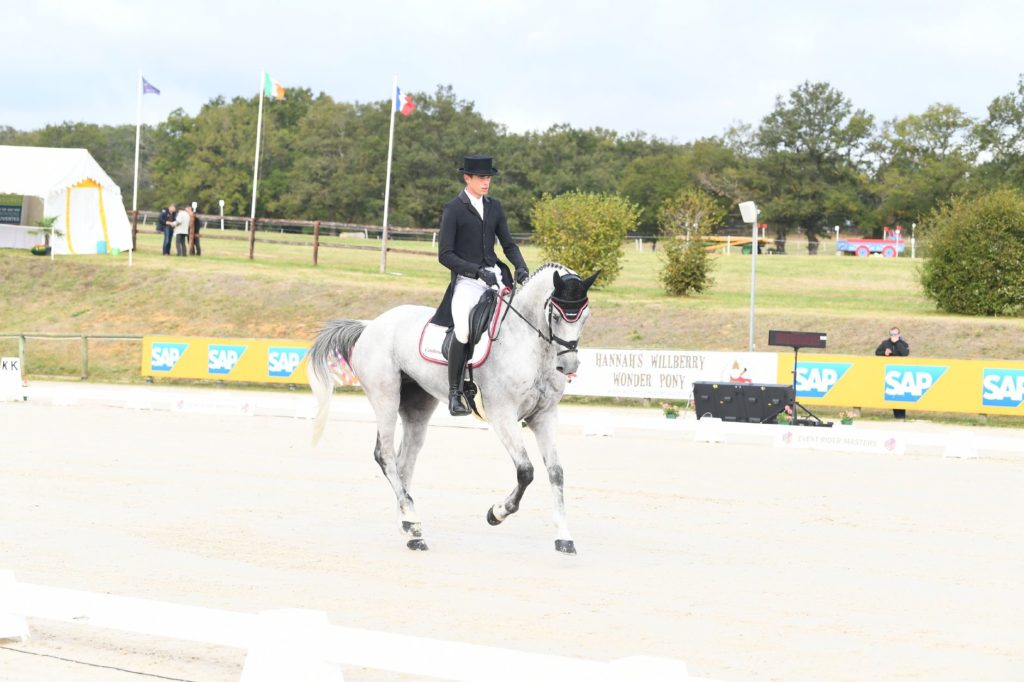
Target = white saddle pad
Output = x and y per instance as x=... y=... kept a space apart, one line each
x=432 y=337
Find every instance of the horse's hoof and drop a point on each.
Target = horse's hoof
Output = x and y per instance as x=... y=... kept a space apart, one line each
x=491 y=518
x=565 y=546
x=417 y=544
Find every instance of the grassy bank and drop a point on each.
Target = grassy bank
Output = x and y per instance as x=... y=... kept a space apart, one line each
x=280 y=294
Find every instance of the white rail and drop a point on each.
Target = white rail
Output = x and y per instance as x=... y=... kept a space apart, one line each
x=300 y=644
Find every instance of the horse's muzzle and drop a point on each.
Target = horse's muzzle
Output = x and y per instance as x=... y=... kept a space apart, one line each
x=568 y=364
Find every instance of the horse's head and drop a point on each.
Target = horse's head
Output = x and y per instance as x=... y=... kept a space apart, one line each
x=568 y=311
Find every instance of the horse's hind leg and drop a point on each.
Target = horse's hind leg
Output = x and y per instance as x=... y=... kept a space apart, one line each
x=544 y=426
x=385 y=405
x=415 y=409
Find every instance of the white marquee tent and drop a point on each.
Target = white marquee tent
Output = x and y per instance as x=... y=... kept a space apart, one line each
x=91 y=217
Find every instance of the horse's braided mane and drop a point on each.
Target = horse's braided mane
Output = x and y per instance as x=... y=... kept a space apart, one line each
x=548 y=266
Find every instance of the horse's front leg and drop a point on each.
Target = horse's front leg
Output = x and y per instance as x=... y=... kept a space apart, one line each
x=511 y=436
x=545 y=426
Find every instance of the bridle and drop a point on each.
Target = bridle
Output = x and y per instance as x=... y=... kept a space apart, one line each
x=550 y=306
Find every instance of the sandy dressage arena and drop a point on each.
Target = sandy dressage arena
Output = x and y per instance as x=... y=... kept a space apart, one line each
x=744 y=561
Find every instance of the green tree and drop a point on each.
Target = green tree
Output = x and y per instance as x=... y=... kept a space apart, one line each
x=923 y=160
x=810 y=173
x=976 y=247
x=706 y=164
x=1001 y=137
x=559 y=160
x=584 y=231
x=684 y=220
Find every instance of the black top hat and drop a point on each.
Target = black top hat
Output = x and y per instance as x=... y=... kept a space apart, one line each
x=478 y=164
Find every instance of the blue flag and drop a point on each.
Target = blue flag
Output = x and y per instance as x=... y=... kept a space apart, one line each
x=148 y=87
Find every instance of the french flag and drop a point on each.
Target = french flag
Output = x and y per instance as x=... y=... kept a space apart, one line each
x=403 y=103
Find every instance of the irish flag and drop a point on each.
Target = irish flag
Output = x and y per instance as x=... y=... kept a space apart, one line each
x=271 y=88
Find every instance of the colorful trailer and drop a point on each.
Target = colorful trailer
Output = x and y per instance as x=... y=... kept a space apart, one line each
x=889 y=246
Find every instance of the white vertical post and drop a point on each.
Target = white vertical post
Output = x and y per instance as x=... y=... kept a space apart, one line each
x=220 y=202
x=749 y=212
x=753 y=283
x=387 y=179
x=913 y=239
x=256 y=163
x=138 y=136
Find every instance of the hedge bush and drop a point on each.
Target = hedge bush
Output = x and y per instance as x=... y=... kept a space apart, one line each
x=584 y=231
x=976 y=255
x=684 y=220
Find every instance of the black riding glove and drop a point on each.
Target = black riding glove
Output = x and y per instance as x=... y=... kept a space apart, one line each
x=522 y=274
x=487 y=276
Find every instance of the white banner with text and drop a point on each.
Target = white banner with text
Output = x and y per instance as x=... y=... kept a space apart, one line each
x=665 y=374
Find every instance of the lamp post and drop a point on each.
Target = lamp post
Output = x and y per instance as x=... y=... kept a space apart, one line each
x=221 y=203
x=748 y=210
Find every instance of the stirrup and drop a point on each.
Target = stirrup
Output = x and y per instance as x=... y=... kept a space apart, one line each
x=456 y=404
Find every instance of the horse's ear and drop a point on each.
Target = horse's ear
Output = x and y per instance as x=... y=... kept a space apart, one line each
x=590 y=280
x=558 y=281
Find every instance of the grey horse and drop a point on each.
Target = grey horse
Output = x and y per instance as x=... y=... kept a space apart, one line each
x=522 y=381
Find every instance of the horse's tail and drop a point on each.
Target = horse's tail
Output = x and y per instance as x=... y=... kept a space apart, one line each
x=333 y=343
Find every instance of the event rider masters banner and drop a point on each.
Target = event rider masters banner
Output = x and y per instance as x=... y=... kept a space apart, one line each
x=252 y=360
x=926 y=384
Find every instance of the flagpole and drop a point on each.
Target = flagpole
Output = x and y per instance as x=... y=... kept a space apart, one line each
x=138 y=135
x=135 y=183
x=256 y=163
x=387 y=180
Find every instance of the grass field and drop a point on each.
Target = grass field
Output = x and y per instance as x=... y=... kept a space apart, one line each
x=280 y=294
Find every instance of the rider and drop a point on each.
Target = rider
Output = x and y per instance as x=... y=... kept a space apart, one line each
x=469 y=225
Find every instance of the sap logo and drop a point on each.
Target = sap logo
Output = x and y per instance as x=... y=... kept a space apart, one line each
x=815 y=379
x=164 y=356
x=282 y=362
x=907 y=383
x=1002 y=387
x=222 y=359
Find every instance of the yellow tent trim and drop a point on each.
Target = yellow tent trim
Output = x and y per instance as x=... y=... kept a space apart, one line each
x=92 y=184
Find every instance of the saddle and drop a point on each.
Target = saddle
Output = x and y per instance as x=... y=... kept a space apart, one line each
x=484 y=321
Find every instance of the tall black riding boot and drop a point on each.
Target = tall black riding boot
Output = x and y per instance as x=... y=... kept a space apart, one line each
x=456 y=367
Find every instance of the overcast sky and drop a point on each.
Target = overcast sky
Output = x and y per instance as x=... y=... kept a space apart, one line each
x=678 y=70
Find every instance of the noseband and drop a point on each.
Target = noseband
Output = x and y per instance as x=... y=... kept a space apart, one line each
x=570 y=311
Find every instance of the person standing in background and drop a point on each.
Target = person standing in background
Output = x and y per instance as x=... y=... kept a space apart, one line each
x=895 y=345
x=181 y=222
x=165 y=224
x=194 y=248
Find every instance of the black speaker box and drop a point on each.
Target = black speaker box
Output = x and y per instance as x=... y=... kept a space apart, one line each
x=741 y=402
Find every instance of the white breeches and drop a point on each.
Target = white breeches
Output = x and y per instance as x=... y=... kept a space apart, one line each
x=466 y=295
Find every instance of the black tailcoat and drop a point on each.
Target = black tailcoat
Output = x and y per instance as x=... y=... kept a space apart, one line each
x=466 y=243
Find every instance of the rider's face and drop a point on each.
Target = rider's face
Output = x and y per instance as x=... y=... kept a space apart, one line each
x=478 y=184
